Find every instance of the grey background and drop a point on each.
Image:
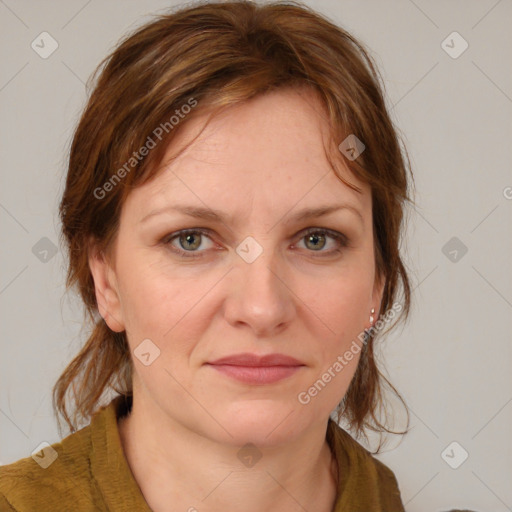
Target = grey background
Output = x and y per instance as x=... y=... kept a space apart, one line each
x=451 y=362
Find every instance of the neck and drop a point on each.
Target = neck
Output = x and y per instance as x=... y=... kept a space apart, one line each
x=179 y=469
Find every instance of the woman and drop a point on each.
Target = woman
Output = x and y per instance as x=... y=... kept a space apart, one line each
x=233 y=211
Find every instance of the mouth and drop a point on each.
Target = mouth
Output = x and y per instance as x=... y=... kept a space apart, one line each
x=254 y=369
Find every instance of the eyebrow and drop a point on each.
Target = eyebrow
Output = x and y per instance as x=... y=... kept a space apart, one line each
x=218 y=216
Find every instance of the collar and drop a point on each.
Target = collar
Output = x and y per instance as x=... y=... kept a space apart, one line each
x=117 y=483
x=108 y=463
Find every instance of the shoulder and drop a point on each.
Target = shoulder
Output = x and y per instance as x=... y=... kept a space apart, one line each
x=362 y=476
x=58 y=475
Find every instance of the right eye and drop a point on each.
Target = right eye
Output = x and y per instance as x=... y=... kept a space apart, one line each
x=189 y=241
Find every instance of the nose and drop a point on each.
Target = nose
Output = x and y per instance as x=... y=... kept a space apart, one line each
x=259 y=296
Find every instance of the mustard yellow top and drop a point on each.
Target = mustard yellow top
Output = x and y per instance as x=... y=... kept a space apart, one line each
x=91 y=473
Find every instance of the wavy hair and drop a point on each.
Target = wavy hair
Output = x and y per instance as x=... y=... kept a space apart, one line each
x=222 y=54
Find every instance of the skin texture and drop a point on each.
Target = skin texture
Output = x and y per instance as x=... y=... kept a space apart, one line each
x=260 y=163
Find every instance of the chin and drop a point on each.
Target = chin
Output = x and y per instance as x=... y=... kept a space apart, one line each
x=266 y=423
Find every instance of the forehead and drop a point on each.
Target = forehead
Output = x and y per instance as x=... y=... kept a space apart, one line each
x=267 y=153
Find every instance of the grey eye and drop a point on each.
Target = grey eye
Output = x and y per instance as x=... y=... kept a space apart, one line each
x=317 y=241
x=190 y=241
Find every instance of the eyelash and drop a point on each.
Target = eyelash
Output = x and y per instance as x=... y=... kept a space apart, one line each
x=342 y=240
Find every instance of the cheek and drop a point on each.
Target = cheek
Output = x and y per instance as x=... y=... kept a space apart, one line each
x=342 y=306
x=342 y=303
x=168 y=309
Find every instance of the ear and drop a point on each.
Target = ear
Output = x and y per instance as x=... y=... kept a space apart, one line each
x=377 y=293
x=105 y=285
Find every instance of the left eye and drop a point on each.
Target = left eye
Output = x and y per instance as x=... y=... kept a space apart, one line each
x=315 y=239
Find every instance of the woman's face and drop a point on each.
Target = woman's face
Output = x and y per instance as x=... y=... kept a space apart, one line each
x=253 y=282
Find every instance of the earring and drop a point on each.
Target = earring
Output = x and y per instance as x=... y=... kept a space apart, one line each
x=371 y=316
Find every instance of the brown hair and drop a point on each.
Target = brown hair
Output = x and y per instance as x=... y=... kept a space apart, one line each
x=218 y=55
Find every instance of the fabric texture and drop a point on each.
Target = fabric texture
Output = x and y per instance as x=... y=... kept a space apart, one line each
x=91 y=473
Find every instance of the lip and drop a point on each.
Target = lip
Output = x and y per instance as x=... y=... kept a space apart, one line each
x=254 y=369
x=247 y=359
